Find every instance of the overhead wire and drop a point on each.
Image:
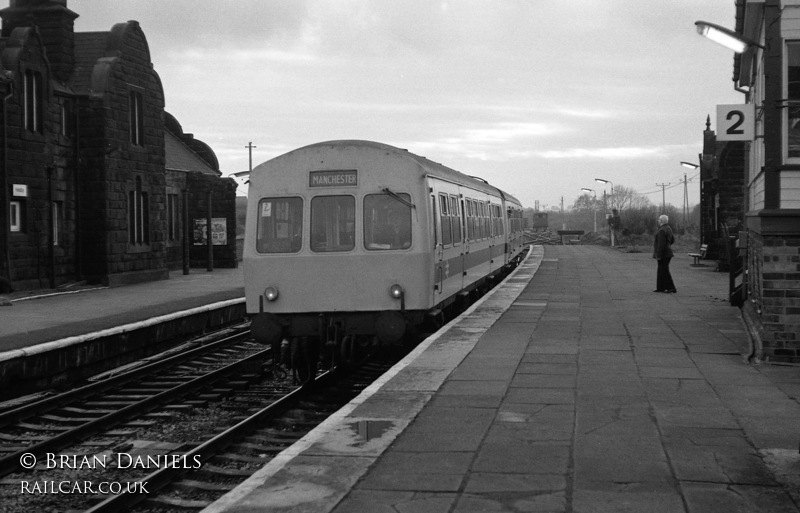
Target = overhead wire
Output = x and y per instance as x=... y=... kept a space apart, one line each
x=671 y=186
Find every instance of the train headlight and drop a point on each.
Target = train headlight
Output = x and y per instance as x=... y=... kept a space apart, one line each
x=396 y=291
x=271 y=293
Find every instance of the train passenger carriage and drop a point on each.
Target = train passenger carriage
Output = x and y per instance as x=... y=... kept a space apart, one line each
x=350 y=240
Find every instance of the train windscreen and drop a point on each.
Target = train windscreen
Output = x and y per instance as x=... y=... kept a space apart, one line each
x=280 y=225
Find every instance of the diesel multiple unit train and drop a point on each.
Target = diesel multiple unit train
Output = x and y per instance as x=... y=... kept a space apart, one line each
x=352 y=243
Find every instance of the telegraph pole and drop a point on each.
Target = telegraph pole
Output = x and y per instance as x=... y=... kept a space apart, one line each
x=250 y=152
x=663 y=200
x=685 y=200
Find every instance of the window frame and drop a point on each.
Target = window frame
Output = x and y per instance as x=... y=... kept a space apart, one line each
x=138 y=215
x=15 y=216
x=456 y=217
x=339 y=248
x=370 y=243
x=136 y=117
x=290 y=224
x=56 y=212
x=173 y=217
x=32 y=101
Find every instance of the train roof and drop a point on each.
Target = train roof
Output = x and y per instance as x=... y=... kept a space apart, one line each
x=432 y=168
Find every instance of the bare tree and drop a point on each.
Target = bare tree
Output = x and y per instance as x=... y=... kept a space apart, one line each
x=624 y=198
x=584 y=203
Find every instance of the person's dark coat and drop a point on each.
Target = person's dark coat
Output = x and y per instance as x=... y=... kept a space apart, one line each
x=662 y=245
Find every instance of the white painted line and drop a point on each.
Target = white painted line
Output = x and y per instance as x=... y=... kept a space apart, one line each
x=78 y=339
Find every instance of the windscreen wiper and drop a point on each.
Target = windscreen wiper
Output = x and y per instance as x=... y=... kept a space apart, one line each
x=399 y=198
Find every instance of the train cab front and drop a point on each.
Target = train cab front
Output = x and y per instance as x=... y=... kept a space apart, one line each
x=330 y=336
x=270 y=326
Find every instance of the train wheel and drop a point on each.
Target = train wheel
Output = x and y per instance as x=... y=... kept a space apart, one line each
x=347 y=349
x=305 y=354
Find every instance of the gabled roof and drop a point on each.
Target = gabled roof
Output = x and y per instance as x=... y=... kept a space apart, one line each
x=179 y=157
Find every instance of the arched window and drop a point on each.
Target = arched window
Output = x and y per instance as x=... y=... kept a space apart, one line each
x=138 y=215
x=136 y=118
x=32 y=100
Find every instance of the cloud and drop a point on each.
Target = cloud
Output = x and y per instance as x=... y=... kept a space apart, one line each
x=622 y=152
x=496 y=141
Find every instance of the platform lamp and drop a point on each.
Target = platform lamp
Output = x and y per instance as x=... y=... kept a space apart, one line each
x=725 y=37
x=685 y=191
x=594 y=205
x=605 y=205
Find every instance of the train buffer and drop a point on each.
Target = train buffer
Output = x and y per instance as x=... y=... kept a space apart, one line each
x=567 y=235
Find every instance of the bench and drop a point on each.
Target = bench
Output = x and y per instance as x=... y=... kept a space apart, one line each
x=568 y=233
x=699 y=255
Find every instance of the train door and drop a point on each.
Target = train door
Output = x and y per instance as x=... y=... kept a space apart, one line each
x=438 y=249
x=448 y=257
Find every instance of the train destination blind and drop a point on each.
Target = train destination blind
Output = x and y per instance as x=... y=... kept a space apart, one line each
x=338 y=178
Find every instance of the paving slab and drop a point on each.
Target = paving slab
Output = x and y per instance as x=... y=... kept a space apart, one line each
x=571 y=388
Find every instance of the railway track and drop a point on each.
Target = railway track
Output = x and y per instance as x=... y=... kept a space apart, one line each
x=56 y=422
x=220 y=463
x=172 y=435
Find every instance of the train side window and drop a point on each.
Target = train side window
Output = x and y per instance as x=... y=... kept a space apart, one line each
x=387 y=222
x=280 y=225
x=498 y=221
x=447 y=230
x=455 y=217
x=333 y=220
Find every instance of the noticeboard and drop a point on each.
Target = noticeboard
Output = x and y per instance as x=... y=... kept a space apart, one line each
x=219 y=231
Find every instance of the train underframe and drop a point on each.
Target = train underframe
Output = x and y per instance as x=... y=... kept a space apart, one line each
x=306 y=341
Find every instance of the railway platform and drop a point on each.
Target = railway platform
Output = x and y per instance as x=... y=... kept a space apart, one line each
x=571 y=387
x=47 y=336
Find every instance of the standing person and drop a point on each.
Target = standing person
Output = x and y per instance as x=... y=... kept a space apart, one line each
x=662 y=251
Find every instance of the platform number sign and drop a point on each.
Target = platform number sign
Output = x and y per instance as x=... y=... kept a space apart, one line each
x=736 y=122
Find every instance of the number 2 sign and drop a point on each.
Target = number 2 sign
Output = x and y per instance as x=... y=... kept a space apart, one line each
x=736 y=122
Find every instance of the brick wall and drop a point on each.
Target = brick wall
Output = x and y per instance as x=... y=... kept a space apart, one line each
x=774 y=289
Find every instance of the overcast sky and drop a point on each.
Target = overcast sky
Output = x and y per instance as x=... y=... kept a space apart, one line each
x=539 y=97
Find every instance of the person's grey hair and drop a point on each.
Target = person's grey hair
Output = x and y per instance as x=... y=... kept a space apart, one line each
x=663 y=219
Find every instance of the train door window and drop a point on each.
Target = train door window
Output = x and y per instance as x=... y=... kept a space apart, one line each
x=280 y=225
x=470 y=225
x=333 y=223
x=476 y=219
x=455 y=217
x=387 y=222
x=487 y=219
x=482 y=208
x=447 y=230
x=479 y=219
x=433 y=222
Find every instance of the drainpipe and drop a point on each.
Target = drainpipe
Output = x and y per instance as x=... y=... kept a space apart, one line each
x=51 y=233
x=4 y=192
x=76 y=163
x=186 y=242
x=209 y=242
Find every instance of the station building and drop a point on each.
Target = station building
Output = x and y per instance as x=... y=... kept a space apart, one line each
x=100 y=183
x=768 y=73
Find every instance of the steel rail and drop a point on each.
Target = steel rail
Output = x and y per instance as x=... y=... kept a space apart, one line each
x=10 y=463
x=204 y=452
x=10 y=417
